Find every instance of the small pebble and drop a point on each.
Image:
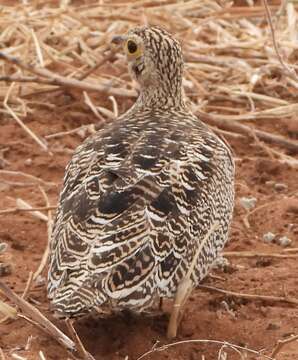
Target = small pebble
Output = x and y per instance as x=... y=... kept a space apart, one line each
x=270 y=183
x=263 y=311
x=3 y=247
x=227 y=308
x=248 y=203
x=40 y=280
x=221 y=263
x=293 y=208
x=4 y=187
x=272 y=326
x=284 y=241
x=280 y=187
x=82 y=133
x=269 y=237
x=263 y=262
x=2 y=163
x=28 y=162
x=5 y=269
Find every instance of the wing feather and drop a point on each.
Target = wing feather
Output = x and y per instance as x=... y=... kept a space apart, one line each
x=134 y=203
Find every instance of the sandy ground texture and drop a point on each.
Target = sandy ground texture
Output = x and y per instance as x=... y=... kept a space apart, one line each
x=251 y=323
x=264 y=181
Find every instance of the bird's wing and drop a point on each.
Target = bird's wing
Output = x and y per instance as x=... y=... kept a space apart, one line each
x=123 y=220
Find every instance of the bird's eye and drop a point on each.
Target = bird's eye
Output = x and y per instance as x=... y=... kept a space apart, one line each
x=132 y=47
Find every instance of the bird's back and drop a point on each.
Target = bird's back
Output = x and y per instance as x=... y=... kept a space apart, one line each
x=138 y=198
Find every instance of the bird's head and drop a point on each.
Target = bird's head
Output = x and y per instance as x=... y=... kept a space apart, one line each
x=154 y=58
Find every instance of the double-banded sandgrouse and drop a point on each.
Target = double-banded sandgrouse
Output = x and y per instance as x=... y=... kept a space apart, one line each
x=140 y=195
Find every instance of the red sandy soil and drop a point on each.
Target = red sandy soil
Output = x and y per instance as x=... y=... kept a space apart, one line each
x=251 y=323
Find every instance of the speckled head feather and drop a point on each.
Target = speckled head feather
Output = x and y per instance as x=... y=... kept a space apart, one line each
x=155 y=61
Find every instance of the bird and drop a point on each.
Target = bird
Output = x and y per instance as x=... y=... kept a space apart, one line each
x=147 y=200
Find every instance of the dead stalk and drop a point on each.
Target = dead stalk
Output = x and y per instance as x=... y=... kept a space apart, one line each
x=156 y=348
x=37 y=317
x=288 y=71
x=267 y=298
x=45 y=256
x=281 y=343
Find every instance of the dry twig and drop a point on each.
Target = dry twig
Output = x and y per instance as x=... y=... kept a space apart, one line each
x=268 y=298
x=41 y=355
x=20 y=122
x=246 y=130
x=34 y=316
x=185 y=288
x=2 y=355
x=29 y=176
x=54 y=79
x=288 y=71
x=251 y=254
x=281 y=343
x=81 y=349
x=83 y=128
x=292 y=250
x=28 y=285
x=31 y=209
x=23 y=205
x=156 y=348
x=109 y=56
x=45 y=256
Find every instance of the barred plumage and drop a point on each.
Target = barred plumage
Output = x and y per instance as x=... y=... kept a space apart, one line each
x=140 y=195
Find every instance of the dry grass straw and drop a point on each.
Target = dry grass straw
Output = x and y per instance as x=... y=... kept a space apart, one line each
x=33 y=179
x=64 y=45
x=185 y=288
x=49 y=221
x=281 y=343
x=241 y=351
x=23 y=205
x=264 y=298
x=32 y=315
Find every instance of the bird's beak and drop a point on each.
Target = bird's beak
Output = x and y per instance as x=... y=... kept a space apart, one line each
x=118 y=39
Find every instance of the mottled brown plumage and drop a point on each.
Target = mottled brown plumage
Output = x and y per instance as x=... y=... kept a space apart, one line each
x=140 y=195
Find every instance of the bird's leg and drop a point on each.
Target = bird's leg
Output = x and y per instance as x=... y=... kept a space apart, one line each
x=185 y=287
x=183 y=291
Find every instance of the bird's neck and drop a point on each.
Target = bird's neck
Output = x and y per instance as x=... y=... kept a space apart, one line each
x=163 y=97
